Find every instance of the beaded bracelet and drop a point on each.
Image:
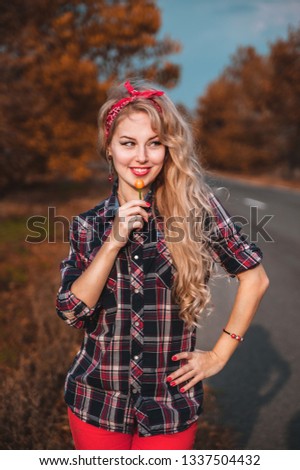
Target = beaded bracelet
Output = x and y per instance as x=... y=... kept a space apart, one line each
x=234 y=336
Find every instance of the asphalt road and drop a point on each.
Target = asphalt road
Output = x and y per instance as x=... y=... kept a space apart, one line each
x=258 y=390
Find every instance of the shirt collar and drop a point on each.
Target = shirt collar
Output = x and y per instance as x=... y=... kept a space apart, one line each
x=112 y=204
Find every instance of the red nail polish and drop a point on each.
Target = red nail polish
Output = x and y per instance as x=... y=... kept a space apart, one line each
x=169 y=379
x=174 y=358
x=148 y=204
x=182 y=390
x=173 y=384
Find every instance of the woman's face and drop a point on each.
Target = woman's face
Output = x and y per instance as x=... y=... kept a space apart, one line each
x=136 y=151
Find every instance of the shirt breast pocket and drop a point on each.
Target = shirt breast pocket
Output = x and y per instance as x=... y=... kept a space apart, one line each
x=164 y=277
x=164 y=269
x=109 y=293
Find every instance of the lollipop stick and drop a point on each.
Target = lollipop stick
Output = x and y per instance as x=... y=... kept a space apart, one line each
x=139 y=184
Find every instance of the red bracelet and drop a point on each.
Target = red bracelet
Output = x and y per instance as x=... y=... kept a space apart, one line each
x=234 y=336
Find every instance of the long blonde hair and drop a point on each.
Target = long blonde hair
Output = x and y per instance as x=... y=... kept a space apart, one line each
x=181 y=194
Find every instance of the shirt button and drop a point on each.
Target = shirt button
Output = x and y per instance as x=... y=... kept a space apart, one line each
x=136 y=256
x=136 y=323
x=135 y=358
x=136 y=291
x=134 y=390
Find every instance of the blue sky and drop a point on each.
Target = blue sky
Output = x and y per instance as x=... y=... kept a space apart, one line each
x=211 y=30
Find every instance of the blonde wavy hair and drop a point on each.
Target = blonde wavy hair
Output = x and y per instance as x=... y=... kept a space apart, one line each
x=181 y=194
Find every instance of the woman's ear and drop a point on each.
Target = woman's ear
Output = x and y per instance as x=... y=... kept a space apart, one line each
x=108 y=152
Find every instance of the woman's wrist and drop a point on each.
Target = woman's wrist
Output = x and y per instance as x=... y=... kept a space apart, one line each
x=219 y=357
x=111 y=246
x=224 y=348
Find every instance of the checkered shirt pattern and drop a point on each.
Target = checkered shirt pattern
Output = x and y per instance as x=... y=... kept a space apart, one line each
x=118 y=378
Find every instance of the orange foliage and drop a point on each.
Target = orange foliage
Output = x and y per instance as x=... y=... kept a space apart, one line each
x=248 y=120
x=58 y=59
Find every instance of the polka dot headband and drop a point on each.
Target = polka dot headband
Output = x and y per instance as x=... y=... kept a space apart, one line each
x=134 y=95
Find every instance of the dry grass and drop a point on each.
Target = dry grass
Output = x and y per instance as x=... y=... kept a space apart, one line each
x=36 y=347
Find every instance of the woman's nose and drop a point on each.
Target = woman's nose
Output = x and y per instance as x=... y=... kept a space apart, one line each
x=141 y=154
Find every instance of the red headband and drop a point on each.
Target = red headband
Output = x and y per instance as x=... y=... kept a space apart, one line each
x=134 y=94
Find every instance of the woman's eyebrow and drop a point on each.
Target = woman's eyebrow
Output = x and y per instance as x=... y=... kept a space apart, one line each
x=132 y=138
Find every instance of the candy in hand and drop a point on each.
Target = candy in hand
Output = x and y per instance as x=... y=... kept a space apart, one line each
x=139 y=184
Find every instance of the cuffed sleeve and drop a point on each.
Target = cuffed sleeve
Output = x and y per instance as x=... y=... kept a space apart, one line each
x=69 y=308
x=229 y=247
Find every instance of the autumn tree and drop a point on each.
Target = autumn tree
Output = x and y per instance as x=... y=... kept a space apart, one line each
x=284 y=100
x=58 y=60
x=247 y=119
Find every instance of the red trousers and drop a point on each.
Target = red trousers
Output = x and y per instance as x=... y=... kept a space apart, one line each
x=89 y=437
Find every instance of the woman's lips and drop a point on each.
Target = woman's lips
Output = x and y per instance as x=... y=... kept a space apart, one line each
x=140 y=172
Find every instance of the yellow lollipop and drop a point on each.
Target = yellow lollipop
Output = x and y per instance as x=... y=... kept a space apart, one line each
x=139 y=184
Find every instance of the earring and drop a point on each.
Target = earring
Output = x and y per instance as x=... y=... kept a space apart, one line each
x=110 y=169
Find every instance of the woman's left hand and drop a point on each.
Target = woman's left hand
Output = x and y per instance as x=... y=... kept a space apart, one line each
x=198 y=366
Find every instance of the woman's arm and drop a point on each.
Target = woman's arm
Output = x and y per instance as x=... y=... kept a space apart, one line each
x=253 y=284
x=90 y=284
x=79 y=294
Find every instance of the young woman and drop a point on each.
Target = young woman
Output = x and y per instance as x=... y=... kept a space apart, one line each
x=136 y=280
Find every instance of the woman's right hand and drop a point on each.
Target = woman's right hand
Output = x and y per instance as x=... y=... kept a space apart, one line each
x=124 y=221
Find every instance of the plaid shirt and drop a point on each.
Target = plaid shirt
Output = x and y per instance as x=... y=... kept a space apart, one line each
x=118 y=378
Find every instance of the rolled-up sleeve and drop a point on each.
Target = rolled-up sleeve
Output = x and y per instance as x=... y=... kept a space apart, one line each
x=69 y=308
x=229 y=247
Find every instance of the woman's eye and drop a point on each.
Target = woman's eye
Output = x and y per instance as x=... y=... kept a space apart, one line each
x=155 y=143
x=127 y=144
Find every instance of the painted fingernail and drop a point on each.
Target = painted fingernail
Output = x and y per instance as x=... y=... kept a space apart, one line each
x=182 y=390
x=148 y=204
x=173 y=384
x=169 y=379
x=174 y=358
